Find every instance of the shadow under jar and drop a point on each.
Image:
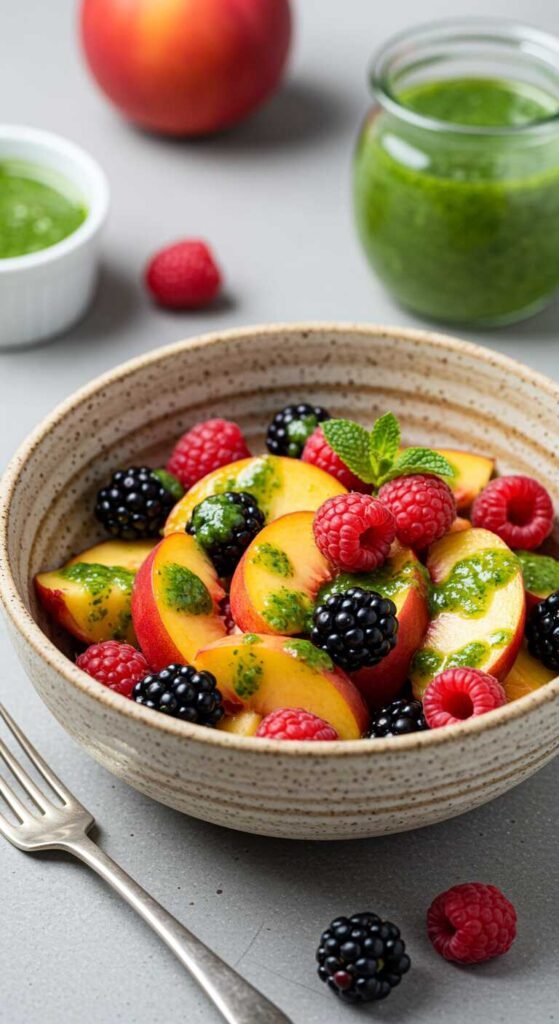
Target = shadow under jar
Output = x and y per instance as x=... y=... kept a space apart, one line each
x=456 y=173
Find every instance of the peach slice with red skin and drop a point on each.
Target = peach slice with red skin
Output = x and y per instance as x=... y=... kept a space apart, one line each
x=280 y=485
x=526 y=675
x=90 y=595
x=477 y=606
x=540 y=574
x=176 y=602
x=259 y=672
x=278 y=577
x=472 y=473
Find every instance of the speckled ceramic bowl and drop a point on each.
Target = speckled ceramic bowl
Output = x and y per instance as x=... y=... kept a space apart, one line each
x=444 y=391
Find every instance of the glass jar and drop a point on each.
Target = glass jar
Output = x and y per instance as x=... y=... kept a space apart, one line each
x=456 y=174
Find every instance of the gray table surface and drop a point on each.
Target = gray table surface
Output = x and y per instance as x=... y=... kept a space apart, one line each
x=273 y=199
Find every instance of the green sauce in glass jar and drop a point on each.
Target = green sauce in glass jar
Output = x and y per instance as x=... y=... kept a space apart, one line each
x=456 y=177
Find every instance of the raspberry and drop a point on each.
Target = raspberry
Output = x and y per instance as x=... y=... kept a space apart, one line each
x=423 y=506
x=183 y=276
x=354 y=532
x=206 y=447
x=295 y=724
x=517 y=508
x=471 y=923
x=118 y=666
x=460 y=693
x=318 y=452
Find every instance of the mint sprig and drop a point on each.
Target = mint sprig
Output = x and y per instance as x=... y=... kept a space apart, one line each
x=375 y=457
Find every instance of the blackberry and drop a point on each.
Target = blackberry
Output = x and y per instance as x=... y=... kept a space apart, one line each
x=542 y=632
x=224 y=526
x=356 y=628
x=182 y=692
x=291 y=428
x=397 y=719
x=362 y=958
x=136 y=502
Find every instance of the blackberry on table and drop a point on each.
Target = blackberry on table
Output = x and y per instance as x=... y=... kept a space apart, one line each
x=224 y=525
x=136 y=502
x=291 y=428
x=542 y=632
x=398 y=718
x=356 y=628
x=362 y=958
x=181 y=692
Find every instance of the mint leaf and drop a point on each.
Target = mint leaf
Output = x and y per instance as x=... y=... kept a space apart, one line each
x=419 y=460
x=385 y=442
x=351 y=442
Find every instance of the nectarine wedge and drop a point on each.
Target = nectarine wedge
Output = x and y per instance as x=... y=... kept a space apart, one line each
x=260 y=672
x=90 y=595
x=280 y=485
x=477 y=607
x=526 y=675
x=472 y=474
x=275 y=583
x=540 y=574
x=176 y=602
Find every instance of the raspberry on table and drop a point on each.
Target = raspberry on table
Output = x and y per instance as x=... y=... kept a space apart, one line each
x=356 y=628
x=207 y=446
x=542 y=632
x=136 y=502
x=181 y=692
x=362 y=958
x=224 y=525
x=116 y=665
x=517 y=508
x=291 y=428
x=423 y=507
x=460 y=693
x=399 y=718
x=318 y=452
x=354 y=532
x=295 y=724
x=471 y=923
x=183 y=276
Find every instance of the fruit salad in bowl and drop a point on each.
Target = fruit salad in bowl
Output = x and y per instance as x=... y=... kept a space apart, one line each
x=288 y=597
x=326 y=589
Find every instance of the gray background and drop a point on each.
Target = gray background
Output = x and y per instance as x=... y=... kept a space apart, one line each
x=273 y=199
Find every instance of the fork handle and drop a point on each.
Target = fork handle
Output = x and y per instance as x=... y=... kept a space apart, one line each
x=237 y=1000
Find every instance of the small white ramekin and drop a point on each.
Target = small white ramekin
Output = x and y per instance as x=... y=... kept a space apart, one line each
x=45 y=292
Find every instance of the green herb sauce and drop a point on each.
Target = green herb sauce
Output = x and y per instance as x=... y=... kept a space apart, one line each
x=33 y=214
x=311 y=655
x=247 y=675
x=470 y=586
x=273 y=559
x=462 y=227
x=183 y=591
x=384 y=581
x=98 y=579
x=261 y=479
x=540 y=573
x=288 y=611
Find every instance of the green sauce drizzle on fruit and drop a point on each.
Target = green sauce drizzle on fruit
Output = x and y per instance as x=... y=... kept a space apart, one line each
x=472 y=581
x=540 y=573
x=426 y=663
x=273 y=559
x=247 y=675
x=288 y=611
x=98 y=579
x=183 y=591
x=260 y=479
x=307 y=652
x=383 y=581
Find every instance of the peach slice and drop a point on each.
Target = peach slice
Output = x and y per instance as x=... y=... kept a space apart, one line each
x=176 y=602
x=280 y=485
x=526 y=675
x=259 y=672
x=275 y=583
x=244 y=723
x=90 y=594
x=540 y=574
x=472 y=474
x=477 y=607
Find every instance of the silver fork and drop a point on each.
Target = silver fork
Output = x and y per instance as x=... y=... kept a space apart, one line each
x=65 y=827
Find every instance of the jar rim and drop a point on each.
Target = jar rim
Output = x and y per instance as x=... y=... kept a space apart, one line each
x=528 y=41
